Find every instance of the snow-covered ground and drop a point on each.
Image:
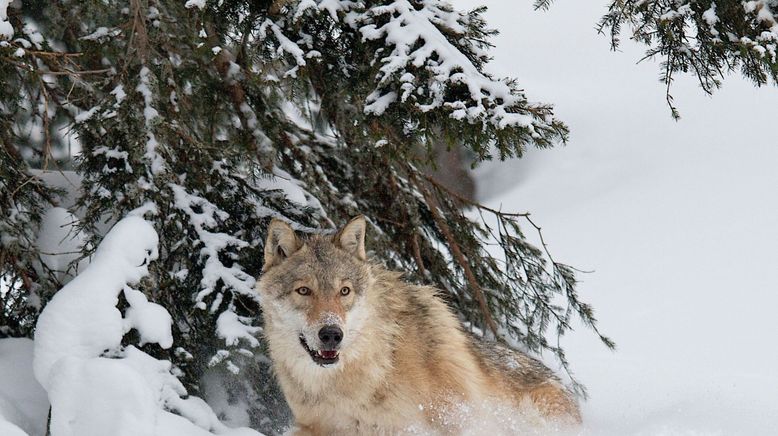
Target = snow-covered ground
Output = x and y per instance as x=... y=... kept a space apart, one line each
x=678 y=220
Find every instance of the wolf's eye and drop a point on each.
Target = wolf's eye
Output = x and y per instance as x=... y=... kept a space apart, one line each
x=302 y=290
x=345 y=291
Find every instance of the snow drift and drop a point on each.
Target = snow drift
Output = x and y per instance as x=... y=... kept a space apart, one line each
x=95 y=385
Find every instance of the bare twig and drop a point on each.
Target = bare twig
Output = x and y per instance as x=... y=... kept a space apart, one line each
x=139 y=35
x=46 y=128
x=67 y=72
x=417 y=254
x=471 y=202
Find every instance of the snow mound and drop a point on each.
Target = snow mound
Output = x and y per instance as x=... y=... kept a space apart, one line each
x=82 y=320
x=96 y=386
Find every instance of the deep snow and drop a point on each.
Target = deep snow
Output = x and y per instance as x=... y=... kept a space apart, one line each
x=95 y=385
x=677 y=220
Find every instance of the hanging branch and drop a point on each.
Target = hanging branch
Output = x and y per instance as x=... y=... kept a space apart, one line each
x=456 y=251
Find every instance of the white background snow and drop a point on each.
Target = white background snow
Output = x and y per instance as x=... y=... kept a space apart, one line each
x=678 y=220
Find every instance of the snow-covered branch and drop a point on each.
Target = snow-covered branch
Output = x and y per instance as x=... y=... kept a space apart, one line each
x=423 y=66
x=204 y=216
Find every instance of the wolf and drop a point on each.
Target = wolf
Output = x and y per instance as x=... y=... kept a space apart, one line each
x=358 y=351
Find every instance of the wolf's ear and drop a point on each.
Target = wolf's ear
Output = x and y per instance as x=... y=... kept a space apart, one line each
x=281 y=243
x=352 y=237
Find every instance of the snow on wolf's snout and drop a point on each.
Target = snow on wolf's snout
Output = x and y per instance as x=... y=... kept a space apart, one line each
x=312 y=292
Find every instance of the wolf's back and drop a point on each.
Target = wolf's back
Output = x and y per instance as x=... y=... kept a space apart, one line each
x=504 y=373
x=527 y=380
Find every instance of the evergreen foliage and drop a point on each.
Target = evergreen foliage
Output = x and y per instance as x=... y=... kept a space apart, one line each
x=704 y=37
x=22 y=200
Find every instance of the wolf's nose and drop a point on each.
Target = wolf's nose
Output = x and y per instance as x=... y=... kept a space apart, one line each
x=330 y=336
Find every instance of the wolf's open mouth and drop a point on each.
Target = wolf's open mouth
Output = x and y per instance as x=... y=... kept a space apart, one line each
x=321 y=357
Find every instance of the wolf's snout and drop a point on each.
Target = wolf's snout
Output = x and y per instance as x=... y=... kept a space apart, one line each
x=330 y=336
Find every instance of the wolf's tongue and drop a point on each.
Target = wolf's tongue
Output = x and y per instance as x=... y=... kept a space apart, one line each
x=328 y=354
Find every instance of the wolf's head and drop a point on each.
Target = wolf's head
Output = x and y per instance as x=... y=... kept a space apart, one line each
x=313 y=291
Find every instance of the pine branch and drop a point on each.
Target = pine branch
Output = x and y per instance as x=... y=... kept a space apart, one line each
x=456 y=251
